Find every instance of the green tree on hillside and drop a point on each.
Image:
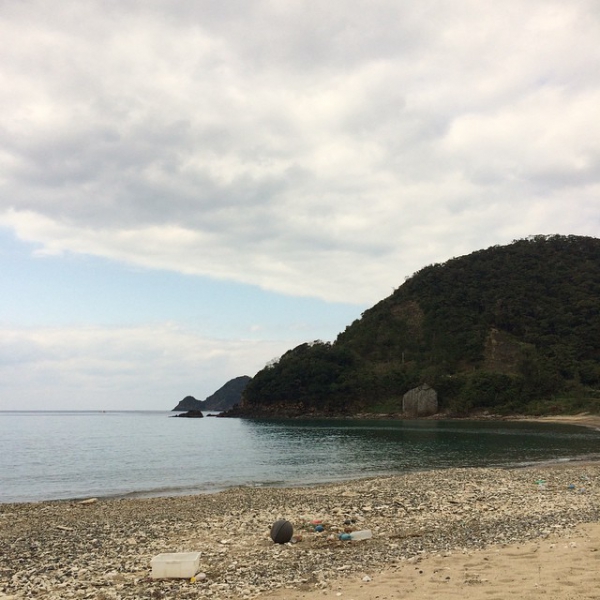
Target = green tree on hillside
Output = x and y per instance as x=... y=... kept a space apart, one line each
x=541 y=295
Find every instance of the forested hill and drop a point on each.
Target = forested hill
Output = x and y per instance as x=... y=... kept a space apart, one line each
x=508 y=329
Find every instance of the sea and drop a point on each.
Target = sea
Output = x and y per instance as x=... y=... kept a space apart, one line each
x=119 y=454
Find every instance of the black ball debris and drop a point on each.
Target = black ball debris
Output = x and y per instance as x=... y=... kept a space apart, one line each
x=282 y=531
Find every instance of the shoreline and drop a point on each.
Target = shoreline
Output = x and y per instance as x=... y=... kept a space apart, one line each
x=580 y=420
x=102 y=549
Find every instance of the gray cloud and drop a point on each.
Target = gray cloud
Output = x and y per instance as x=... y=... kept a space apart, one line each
x=151 y=367
x=326 y=149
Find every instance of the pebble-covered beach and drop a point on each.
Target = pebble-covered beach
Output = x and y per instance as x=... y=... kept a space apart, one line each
x=102 y=549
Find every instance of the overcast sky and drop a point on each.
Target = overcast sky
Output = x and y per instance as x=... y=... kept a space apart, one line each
x=189 y=189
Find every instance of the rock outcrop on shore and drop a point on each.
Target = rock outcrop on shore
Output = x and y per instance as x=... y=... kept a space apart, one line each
x=102 y=550
x=421 y=401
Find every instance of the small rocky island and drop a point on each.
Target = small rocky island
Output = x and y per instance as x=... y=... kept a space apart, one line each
x=191 y=414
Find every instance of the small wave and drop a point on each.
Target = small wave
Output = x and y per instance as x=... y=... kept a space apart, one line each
x=555 y=461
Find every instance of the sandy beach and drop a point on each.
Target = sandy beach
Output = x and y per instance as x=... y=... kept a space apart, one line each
x=556 y=567
x=476 y=533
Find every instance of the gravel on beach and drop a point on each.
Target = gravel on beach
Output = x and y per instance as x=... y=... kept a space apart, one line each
x=101 y=549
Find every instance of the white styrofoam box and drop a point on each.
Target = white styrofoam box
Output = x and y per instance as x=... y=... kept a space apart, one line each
x=180 y=565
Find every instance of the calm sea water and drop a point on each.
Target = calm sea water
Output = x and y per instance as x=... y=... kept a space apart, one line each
x=63 y=455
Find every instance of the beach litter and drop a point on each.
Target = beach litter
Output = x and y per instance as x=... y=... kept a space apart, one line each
x=365 y=534
x=175 y=565
x=282 y=531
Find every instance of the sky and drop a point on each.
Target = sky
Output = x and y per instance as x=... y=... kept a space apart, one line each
x=190 y=189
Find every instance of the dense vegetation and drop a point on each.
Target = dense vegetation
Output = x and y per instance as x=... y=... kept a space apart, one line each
x=508 y=329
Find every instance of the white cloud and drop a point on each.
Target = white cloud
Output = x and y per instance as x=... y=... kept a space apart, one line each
x=324 y=150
